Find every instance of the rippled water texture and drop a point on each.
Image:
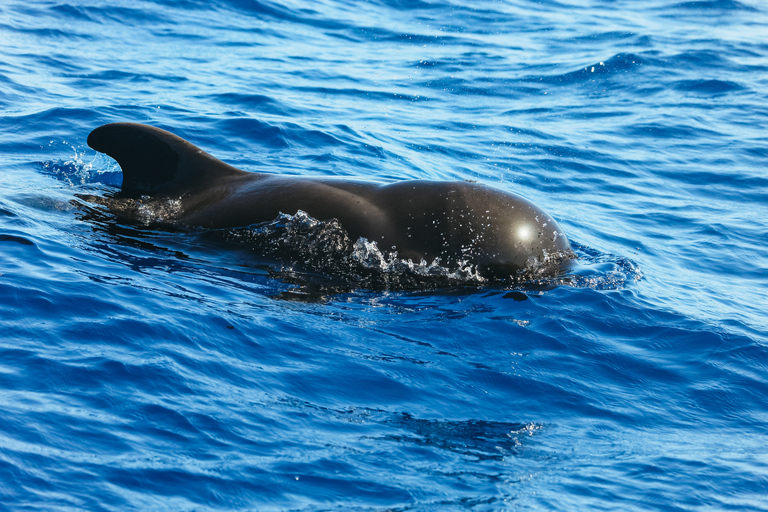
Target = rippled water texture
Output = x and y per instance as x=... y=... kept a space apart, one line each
x=144 y=368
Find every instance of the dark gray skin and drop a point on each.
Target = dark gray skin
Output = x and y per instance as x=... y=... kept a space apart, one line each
x=499 y=232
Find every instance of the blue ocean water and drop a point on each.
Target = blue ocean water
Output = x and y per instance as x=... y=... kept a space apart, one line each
x=142 y=369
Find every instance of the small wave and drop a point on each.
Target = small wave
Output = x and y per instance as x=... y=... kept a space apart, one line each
x=680 y=131
x=253 y=102
x=7 y=213
x=701 y=61
x=622 y=63
x=16 y=239
x=117 y=75
x=75 y=171
x=714 y=5
x=477 y=439
x=598 y=271
x=707 y=87
x=484 y=440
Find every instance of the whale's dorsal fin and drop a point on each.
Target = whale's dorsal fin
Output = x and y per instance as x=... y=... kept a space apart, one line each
x=156 y=162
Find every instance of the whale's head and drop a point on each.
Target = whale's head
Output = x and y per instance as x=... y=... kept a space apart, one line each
x=515 y=238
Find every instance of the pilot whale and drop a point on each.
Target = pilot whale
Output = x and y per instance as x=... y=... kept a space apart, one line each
x=500 y=233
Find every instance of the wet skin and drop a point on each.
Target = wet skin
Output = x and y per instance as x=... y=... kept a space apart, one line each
x=499 y=232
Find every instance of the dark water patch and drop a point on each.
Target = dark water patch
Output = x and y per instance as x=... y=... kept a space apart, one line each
x=169 y=422
x=698 y=60
x=526 y=132
x=571 y=152
x=333 y=489
x=17 y=88
x=475 y=439
x=454 y=64
x=618 y=64
x=200 y=487
x=15 y=239
x=757 y=152
x=187 y=37
x=129 y=16
x=713 y=6
x=604 y=177
x=308 y=17
x=117 y=75
x=57 y=62
x=70 y=426
x=256 y=131
x=68 y=11
x=422 y=39
x=707 y=87
x=534 y=111
x=50 y=33
x=676 y=131
x=516 y=296
x=482 y=87
x=607 y=36
x=202 y=5
x=255 y=102
x=483 y=440
x=131 y=112
x=598 y=114
x=50 y=120
x=281 y=135
x=235 y=45
x=408 y=5
x=361 y=93
x=4 y=212
x=147 y=376
x=729 y=178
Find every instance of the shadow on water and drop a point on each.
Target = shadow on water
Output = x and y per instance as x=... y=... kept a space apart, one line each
x=484 y=440
x=478 y=440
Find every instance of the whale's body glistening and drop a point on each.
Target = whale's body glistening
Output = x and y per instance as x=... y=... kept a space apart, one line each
x=500 y=233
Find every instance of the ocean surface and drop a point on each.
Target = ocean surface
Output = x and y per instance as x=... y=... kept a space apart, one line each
x=143 y=368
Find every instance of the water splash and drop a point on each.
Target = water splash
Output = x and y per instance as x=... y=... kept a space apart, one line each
x=310 y=245
x=77 y=171
x=600 y=271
